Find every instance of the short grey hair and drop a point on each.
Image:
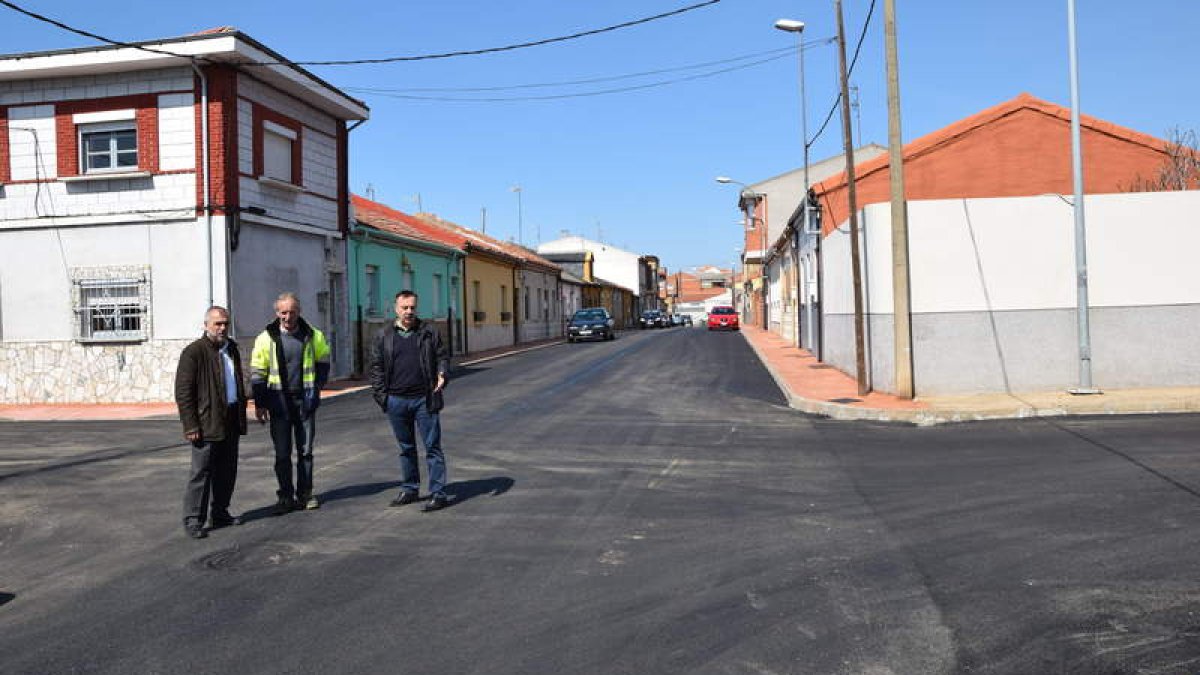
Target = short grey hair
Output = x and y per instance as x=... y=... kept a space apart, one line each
x=288 y=295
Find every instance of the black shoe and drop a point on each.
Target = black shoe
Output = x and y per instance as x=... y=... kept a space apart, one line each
x=436 y=503
x=284 y=505
x=224 y=519
x=195 y=531
x=405 y=497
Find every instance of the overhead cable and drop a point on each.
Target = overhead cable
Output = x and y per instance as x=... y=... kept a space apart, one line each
x=837 y=101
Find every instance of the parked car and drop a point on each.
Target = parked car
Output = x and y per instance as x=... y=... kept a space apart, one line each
x=590 y=323
x=723 y=318
x=652 y=318
x=686 y=320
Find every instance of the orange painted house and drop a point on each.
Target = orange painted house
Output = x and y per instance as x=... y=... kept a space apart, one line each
x=1021 y=147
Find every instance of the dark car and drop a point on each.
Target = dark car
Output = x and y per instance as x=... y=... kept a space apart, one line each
x=686 y=320
x=590 y=323
x=652 y=318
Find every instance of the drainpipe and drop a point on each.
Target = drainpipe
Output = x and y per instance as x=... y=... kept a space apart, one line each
x=208 y=243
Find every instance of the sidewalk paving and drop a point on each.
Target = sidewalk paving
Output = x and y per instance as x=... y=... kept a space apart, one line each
x=43 y=412
x=815 y=387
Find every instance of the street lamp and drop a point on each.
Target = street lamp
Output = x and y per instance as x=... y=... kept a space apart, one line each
x=520 y=214
x=1081 y=276
x=797 y=27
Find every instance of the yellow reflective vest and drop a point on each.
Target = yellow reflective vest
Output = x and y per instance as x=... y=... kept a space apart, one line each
x=264 y=360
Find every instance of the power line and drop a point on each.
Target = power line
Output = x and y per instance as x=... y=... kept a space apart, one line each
x=352 y=62
x=520 y=45
x=593 y=80
x=838 y=99
x=600 y=92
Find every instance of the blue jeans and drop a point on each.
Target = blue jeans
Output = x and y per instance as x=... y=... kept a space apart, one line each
x=407 y=416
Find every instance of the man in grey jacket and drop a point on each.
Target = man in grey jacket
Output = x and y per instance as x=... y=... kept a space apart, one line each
x=211 y=397
x=408 y=373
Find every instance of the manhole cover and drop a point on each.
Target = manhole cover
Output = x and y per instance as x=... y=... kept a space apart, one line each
x=845 y=400
x=241 y=558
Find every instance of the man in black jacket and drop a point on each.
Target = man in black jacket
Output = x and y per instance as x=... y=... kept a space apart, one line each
x=408 y=373
x=211 y=398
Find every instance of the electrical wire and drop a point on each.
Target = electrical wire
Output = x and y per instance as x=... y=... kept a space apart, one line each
x=353 y=62
x=592 y=80
x=585 y=94
x=849 y=72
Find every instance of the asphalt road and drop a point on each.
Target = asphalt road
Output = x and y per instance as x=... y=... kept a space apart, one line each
x=646 y=505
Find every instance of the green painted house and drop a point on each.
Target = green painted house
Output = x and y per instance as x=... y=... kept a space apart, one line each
x=391 y=251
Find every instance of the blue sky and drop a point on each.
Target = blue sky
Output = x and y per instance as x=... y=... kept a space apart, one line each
x=637 y=168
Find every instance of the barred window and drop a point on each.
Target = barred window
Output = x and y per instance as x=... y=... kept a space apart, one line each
x=111 y=307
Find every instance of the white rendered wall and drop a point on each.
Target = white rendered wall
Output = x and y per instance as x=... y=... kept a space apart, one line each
x=994 y=292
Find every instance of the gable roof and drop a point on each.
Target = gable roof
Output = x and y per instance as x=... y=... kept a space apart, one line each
x=468 y=240
x=387 y=219
x=936 y=140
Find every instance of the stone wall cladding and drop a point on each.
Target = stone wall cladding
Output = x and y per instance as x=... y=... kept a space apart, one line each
x=71 y=372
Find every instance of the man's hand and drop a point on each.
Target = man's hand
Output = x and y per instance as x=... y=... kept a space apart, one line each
x=440 y=383
x=192 y=436
x=261 y=414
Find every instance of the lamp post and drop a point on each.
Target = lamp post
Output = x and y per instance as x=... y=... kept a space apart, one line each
x=797 y=27
x=1081 y=275
x=520 y=214
x=747 y=193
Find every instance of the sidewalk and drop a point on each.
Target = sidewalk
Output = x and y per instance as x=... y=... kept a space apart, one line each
x=43 y=412
x=814 y=387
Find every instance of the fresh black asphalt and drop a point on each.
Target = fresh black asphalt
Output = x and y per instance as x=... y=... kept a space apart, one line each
x=646 y=505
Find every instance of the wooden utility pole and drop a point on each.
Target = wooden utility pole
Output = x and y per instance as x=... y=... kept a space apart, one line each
x=901 y=292
x=860 y=350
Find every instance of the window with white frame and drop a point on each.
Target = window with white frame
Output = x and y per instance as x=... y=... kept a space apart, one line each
x=278 y=147
x=111 y=304
x=374 y=306
x=108 y=146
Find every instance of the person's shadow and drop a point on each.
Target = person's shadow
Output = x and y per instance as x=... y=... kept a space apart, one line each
x=462 y=491
x=6 y=597
x=336 y=494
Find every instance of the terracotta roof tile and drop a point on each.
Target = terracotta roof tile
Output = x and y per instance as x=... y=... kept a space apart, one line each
x=387 y=219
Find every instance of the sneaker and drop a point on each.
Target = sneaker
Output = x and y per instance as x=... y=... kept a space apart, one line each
x=309 y=504
x=195 y=531
x=284 y=505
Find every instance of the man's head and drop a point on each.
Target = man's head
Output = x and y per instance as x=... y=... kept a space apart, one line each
x=216 y=324
x=406 y=308
x=287 y=310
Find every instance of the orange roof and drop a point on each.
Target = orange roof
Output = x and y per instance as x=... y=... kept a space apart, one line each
x=946 y=135
x=387 y=219
x=467 y=238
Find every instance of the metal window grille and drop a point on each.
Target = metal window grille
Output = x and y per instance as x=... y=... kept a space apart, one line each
x=112 y=310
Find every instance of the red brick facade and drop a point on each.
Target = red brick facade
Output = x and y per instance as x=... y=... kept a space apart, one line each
x=222 y=141
x=5 y=166
x=145 y=108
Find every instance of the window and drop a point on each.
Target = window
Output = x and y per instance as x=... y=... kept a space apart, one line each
x=108 y=146
x=277 y=152
x=406 y=279
x=503 y=299
x=112 y=305
x=526 y=304
x=374 y=306
x=475 y=298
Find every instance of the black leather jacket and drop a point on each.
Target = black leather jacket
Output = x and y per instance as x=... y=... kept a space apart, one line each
x=434 y=362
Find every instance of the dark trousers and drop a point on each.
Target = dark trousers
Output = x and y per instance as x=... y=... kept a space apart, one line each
x=213 y=474
x=296 y=429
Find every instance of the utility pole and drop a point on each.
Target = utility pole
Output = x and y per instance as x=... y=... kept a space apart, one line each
x=860 y=352
x=483 y=219
x=1081 y=270
x=901 y=291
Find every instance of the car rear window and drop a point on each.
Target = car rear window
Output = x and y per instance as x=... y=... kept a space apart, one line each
x=723 y=310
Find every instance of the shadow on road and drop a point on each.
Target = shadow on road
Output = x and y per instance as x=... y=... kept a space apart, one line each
x=469 y=489
x=5 y=598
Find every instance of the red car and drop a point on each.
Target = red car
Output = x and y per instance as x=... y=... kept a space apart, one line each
x=723 y=318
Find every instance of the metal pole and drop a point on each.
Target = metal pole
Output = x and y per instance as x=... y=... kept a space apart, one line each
x=860 y=351
x=1081 y=275
x=901 y=291
x=800 y=281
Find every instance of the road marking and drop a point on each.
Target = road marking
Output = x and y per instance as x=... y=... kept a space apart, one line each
x=665 y=473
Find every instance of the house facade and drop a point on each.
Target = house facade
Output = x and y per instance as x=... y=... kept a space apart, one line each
x=140 y=187
x=992 y=266
x=391 y=251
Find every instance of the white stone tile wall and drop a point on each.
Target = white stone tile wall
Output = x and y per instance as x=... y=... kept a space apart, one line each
x=20 y=92
x=32 y=144
x=176 y=132
x=139 y=198
x=284 y=104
